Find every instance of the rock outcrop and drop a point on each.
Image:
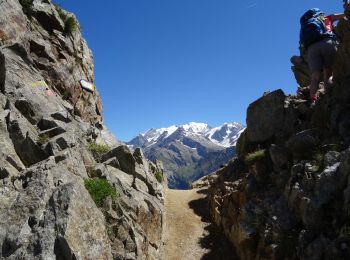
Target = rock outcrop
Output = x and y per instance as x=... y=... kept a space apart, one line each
x=286 y=194
x=49 y=131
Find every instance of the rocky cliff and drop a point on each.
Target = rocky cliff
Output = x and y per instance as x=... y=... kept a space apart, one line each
x=68 y=189
x=287 y=194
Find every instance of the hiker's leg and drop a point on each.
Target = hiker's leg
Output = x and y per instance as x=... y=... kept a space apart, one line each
x=328 y=53
x=315 y=80
x=327 y=78
x=314 y=56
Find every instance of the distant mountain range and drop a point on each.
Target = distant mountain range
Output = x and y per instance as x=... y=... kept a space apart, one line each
x=189 y=151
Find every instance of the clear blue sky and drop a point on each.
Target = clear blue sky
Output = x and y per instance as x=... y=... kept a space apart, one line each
x=165 y=62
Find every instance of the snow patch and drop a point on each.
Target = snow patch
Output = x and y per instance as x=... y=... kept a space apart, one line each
x=228 y=132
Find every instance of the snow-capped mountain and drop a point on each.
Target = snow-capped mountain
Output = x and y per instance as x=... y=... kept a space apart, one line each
x=189 y=151
x=225 y=135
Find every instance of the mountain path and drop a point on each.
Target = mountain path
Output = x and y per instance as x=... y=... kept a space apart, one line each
x=188 y=233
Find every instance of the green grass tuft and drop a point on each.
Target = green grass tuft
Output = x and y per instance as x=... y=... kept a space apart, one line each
x=99 y=190
x=251 y=158
x=98 y=150
x=70 y=25
x=159 y=176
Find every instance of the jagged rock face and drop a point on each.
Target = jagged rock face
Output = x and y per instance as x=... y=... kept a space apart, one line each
x=38 y=40
x=45 y=210
x=286 y=195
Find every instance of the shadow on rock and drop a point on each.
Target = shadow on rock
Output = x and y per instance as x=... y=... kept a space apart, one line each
x=214 y=240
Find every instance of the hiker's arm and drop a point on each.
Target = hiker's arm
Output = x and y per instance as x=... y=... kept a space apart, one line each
x=337 y=17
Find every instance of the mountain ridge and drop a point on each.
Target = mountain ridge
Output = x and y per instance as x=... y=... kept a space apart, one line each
x=189 y=151
x=214 y=134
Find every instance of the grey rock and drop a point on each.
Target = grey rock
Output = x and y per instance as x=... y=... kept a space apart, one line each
x=26 y=109
x=8 y=171
x=53 y=132
x=8 y=153
x=106 y=137
x=139 y=157
x=280 y=156
x=141 y=186
x=113 y=162
x=16 y=30
x=121 y=178
x=126 y=159
x=46 y=124
x=303 y=144
x=24 y=138
x=99 y=171
x=47 y=15
x=264 y=116
x=331 y=157
x=2 y=73
x=69 y=208
x=63 y=116
x=301 y=71
x=88 y=159
x=41 y=49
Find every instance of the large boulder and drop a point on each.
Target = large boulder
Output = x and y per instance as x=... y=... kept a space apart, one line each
x=301 y=71
x=13 y=22
x=49 y=216
x=125 y=157
x=265 y=117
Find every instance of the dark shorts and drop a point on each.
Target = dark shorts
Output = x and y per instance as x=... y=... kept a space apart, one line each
x=321 y=54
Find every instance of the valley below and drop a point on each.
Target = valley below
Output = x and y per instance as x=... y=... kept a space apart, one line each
x=191 y=151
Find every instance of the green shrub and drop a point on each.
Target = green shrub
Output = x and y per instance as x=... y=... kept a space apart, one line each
x=159 y=176
x=251 y=158
x=70 y=25
x=99 y=190
x=98 y=150
x=27 y=6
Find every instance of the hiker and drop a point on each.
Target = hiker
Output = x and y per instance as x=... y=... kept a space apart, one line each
x=319 y=42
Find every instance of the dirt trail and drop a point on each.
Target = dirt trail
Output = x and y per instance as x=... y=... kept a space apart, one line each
x=189 y=234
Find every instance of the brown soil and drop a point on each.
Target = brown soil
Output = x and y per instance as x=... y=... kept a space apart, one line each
x=188 y=232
